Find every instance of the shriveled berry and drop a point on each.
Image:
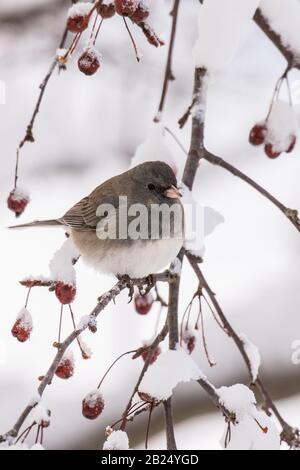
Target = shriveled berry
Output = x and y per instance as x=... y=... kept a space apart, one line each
x=271 y=152
x=65 y=368
x=126 y=7
x=258 y=134
x=18 y=331
x=106 y=10
x=92 y=405
x=141 y=13
x=22 y=327
x=154 y=355
x=143 y=303
x=78 y=17
x=65 y=292
x=89 y=62
x=150 y=34
x=17 y=201
x=77 y=24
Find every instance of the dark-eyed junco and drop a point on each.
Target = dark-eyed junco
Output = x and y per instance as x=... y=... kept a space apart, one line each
x=132 y=224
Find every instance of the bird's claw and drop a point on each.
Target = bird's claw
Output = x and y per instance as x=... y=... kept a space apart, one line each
x=129 y=284
x=147 y=286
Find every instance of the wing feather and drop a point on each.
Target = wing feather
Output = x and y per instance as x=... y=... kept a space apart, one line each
x=82 y=216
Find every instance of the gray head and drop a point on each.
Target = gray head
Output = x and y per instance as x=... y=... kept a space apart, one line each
x=157 y=178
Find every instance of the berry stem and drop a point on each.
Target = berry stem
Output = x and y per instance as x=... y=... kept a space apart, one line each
x=74 y=326
x=228 y=435
x=17 y=167
x=111 y=366
x=72 y=47
x=188 y=308
x=277 y=90
x=37 y=434
x=264 y=429
x=27 y=297
x=26 y=431
x=60 y=323
x=289 y=90
x=167 y=129
x=211 y=363
x=214 y=314
x=98 y=30
x=132 y=40
x=199 y=313
x=148 y=426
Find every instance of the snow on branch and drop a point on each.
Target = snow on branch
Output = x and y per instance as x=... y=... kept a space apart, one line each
x=254 y=430
x=284 y=18
x=181 y=368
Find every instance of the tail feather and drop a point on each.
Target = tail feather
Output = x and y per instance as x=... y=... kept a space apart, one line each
x=39 y=223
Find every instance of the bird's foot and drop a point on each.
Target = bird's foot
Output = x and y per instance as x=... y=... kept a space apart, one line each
x=129 y=284
x=149 y=284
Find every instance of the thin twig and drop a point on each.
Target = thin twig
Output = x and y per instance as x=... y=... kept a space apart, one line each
x=160 y=337
x=291 y=214
x=168 y=70
x=28 y=137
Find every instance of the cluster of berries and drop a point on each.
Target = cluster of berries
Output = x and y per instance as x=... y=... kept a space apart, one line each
x=23 y=326
x=78 y=20
x=278 y=131
x=260 y=134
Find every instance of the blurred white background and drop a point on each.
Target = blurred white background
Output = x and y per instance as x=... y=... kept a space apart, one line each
x=87 y=130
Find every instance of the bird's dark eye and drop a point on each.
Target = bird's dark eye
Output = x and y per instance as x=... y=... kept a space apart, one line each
x=151 y=186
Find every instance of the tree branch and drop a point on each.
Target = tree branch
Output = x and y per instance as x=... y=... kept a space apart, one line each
x=289 y=434
x=263 y=24
x=197 y=136
x=168 y=70
x=90 y=322
x=171 y=442
x=190 y=170
x=291 y=214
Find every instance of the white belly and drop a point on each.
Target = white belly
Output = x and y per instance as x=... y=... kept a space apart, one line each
x=141 y=258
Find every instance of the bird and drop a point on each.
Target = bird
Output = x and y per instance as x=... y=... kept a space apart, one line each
x=130 y=225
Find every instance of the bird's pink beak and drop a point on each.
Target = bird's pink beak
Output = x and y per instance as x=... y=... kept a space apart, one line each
x=172 y=192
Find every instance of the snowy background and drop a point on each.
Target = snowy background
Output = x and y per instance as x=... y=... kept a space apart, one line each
x=87 y=130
